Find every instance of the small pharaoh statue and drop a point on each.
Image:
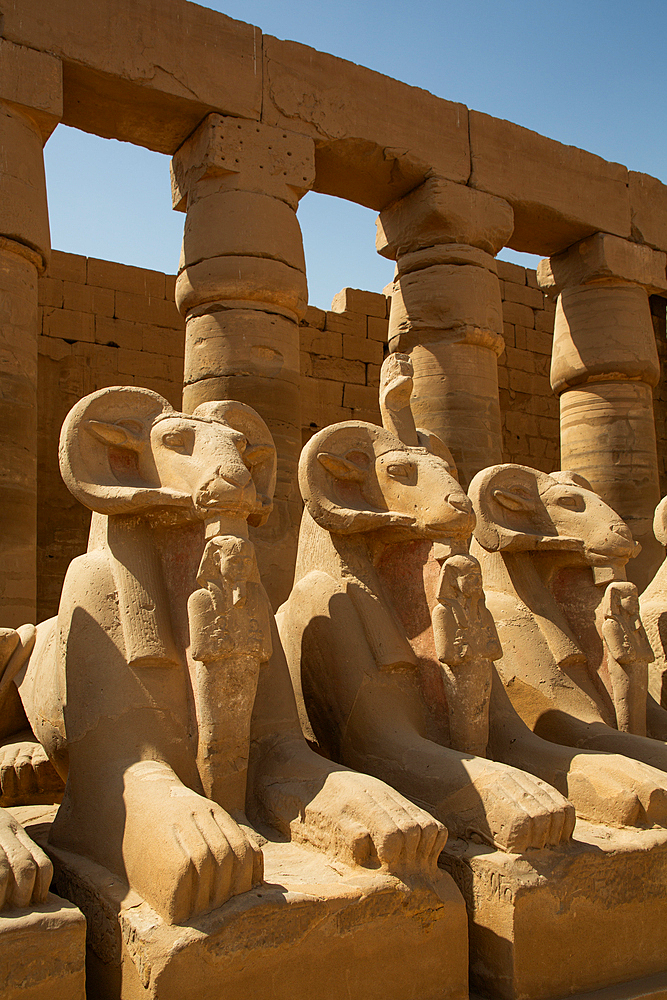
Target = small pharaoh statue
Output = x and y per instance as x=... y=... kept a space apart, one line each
x=230 y=627
x=466 y=644
x=628 y=656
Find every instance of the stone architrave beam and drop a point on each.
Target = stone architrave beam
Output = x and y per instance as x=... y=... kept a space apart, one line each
x=446 y=312
x=171 y=65
x=242 y=289
x=603 y=367
x=30 y=106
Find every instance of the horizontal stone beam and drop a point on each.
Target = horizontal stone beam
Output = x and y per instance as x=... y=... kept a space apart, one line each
x=560 y=194
x=376 y=138
x=143 y=71
x=148 y=73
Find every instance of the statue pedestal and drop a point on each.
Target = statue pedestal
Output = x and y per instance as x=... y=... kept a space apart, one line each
x=588 y=916
x=42 y=952
x=315 y=928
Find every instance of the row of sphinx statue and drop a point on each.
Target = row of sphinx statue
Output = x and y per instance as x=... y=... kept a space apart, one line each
x=447 y=663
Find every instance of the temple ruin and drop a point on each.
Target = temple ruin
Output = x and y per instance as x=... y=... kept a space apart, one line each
x=442 y=771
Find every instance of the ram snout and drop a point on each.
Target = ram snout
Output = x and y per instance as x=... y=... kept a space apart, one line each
x=225 y=487
x=454 y=517
x=618 y=542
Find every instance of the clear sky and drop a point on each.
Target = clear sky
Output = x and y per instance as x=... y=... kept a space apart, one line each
x=590 y=73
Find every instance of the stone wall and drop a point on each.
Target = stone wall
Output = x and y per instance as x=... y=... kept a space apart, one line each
x=109 y=324
x=341 y=354
x=528 y=406
x=102 y=324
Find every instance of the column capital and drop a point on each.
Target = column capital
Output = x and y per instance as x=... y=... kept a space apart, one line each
x=234 y=154
x=32 y=83
x=604 y=259
x=442 y=212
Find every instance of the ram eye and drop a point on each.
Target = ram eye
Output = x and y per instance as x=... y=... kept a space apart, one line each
x=180 y=441
x=572 y=501
x=401 y=471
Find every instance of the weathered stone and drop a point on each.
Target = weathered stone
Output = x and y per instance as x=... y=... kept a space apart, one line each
x=242 y=289
x=549 y=549
x=602 y=258
x=559 y=193
x=604 y=345
x=440 y=212
x=23 y=213
x=293 y=932
x=529 y=916
x=354 y=300
x=33 y=81
x=363 y=154
x=447 y=313
x=162 y=833
x=152 y=86
x=236 y=155
x=603 y=331
x=648 y=204
x=42 y=952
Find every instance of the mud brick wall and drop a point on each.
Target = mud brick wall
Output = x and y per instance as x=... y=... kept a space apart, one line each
x=109 y=324
x=102 y=324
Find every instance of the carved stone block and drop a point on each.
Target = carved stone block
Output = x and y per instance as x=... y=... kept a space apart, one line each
x=566 y=920
x=314 y=928
x=42 y=952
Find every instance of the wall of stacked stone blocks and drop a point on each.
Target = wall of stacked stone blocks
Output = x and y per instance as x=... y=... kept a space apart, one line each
x=109 y=324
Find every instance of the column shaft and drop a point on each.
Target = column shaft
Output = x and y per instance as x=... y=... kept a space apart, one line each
x=242 y=289
x=446 y=313
x=24 y=248
x=604 y=365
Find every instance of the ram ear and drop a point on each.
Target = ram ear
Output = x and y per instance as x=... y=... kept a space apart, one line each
x=123 y=433
x=334 y=468
x=103 y=453
x=344 y=468
x=260 y=451
x=509 y=510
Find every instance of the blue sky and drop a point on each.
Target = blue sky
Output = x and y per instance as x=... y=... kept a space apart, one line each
x=589 y=73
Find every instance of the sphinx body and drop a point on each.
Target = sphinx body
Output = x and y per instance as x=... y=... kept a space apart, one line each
x=380 y=503
x=653 y=604
x=549 y=549
x=160 y=693
x=393 y=668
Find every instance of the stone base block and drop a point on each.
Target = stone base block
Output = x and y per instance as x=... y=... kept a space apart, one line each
x=588 y=916
x=42 y=952
x=315 y=928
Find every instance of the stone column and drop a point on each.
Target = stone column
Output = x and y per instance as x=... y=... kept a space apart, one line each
x=446 y=312
x=603 y=367
x=30 y=106
x=242 y=289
